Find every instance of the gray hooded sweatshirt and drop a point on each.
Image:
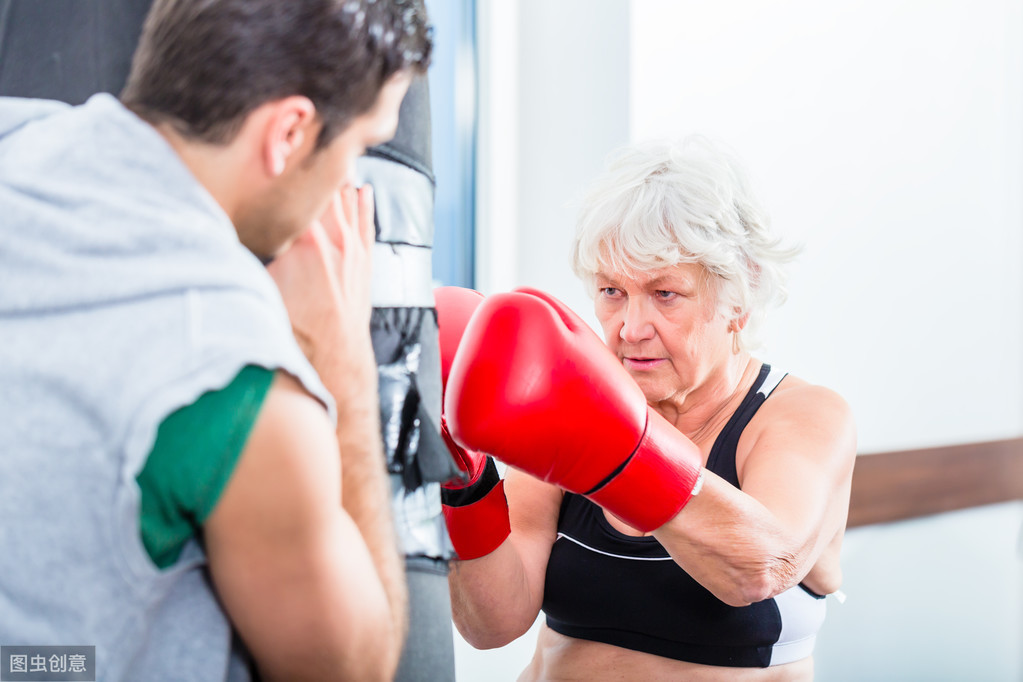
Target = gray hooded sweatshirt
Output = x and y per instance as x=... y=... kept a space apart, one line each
x=124 y=295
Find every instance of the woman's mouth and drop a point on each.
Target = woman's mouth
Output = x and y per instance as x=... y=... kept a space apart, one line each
x=641 y=363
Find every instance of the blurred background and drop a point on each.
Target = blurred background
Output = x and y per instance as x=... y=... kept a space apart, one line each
x=886 y=136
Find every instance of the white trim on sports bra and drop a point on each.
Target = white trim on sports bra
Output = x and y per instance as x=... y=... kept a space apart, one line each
x=616 y=556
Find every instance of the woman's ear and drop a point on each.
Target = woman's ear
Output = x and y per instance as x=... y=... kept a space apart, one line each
x=738 y=323
x=292 y=121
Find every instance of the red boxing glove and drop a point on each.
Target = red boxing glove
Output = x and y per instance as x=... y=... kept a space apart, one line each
x=534 y=385
x=475 y=510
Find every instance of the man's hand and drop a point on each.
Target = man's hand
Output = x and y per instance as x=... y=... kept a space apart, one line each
x=324 y=278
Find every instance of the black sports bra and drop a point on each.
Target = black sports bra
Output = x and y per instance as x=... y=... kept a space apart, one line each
x=605 y=586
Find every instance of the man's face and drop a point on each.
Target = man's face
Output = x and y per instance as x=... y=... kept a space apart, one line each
x=301 y=194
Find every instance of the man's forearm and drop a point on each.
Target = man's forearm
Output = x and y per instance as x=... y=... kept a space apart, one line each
x=324 y=279
x=365 y=489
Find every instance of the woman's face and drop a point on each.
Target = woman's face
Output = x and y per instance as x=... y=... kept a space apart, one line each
x=665 y=327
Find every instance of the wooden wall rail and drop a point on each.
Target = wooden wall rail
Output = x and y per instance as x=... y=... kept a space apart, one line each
x=892 y=486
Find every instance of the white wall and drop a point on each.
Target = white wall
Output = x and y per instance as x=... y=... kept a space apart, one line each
x=887 y=137
x=541 y=134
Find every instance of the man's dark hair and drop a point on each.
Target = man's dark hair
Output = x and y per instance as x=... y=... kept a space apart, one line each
x=203 y=65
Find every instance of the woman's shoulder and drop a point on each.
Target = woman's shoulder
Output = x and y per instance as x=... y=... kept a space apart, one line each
x=795 y=393
x=803 y=421
x=798 y=406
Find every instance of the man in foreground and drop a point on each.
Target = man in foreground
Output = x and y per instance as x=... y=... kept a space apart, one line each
x=170 y=474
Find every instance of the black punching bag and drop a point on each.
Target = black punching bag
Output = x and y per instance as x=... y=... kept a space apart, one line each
x=67 y=50
x=404 y=331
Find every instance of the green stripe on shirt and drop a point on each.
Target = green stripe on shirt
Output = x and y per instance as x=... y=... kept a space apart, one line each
x=196 y=450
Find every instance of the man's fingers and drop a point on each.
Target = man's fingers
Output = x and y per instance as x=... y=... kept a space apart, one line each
x=367 y=229
x=349 y=200
x=332 y=220
x=349 y=216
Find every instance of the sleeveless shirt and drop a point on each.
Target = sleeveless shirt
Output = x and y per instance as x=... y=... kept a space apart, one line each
x=605 y=586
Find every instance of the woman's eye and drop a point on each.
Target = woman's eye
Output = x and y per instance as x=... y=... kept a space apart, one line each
x=608 y=291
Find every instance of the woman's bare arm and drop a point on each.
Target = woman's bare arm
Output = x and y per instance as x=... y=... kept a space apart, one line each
x=496 y=598
x=795 y=470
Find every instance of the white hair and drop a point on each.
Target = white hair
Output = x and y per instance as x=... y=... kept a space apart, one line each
x=663 y=203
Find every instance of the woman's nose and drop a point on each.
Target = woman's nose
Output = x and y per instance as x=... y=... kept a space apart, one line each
x=637 y=325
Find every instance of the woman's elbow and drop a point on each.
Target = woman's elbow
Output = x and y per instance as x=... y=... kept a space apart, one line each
x=755 y=585
x=759 y=588
x=490 y=636
x=745 y=591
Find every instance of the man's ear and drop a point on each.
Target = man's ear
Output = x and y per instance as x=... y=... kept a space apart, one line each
x=291 y=122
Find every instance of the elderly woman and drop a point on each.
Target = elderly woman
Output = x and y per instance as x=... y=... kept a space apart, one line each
x=705 y=550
